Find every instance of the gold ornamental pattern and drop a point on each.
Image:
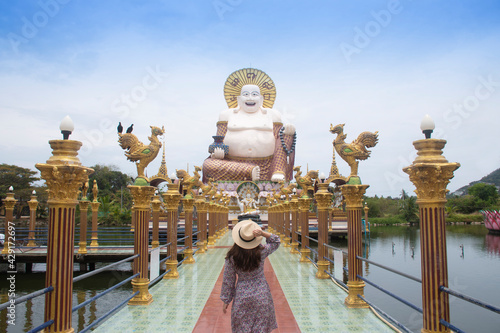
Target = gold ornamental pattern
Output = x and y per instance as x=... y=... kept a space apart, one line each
x=142 y=196
x=353 y=195
x=241 y=77
x=324 y=200
x=431 y=180
x=63 y=181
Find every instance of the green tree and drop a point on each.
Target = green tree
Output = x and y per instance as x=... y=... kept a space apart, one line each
x=484 y=192
x=408 y=207
x=21 y=179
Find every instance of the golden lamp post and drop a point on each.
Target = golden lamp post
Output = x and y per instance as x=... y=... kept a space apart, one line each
x=9 y=203
x=304 y=204
x=172 y=198
x=33 y=204
x=323 y=199
x=431 y=173
x=188 y=203
x=64 y=175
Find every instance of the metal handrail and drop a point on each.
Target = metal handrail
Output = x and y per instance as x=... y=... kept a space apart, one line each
x=159 y=277
x=336 y=280
x=310 y=238
x=398 y=324
x=312 y=250
x=86 y=275
x=413 y=306
x=96 y=297
x=450 y=326
x=469 y=299
x=390 y=269
x=335 y=248
x=107 y=314
x=27 y=297
x=41 y=327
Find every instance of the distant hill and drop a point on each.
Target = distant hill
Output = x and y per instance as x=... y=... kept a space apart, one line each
x=491 y=179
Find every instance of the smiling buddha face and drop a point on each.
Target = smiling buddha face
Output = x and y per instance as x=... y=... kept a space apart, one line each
x=250 y=99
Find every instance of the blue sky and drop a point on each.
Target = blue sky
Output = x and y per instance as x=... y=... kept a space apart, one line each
x=373 y=65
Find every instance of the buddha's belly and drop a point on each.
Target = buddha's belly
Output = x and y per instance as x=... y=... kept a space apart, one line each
x=250 y=143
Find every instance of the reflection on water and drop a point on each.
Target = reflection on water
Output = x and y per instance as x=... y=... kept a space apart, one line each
x=473 y=269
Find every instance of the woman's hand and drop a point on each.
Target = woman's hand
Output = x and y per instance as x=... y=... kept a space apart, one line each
x=260 y=232
x=224 y=307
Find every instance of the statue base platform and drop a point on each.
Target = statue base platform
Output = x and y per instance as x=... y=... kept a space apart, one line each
x=253 y=217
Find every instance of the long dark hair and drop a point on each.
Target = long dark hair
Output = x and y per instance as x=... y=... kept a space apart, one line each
x=245 y=260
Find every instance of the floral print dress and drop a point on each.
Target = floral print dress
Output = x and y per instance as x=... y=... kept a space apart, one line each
x=253 y=307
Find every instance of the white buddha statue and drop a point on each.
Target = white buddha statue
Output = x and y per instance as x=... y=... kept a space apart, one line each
x=257 y=149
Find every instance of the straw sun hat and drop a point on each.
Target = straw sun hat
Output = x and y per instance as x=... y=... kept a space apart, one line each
x=243 y=234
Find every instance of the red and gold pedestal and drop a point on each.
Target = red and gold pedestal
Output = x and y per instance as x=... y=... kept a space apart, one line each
x=156 y=204
x=212 y=216
x=431 y=173
x=172 y=198
x=286 y=223
x=304 y=203
x=294 y=207
x=188 y=203
x=201 y=208
x=82 y=244
x=95 y=210
x=33 y=204
x=64 y=175
x=142 y=200
x=323 y=199
x=353 y=195
x=9 y=203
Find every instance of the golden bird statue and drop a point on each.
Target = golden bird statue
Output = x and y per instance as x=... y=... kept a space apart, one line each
x=354 y=151
x=138 y=152
x=189 y=181
x=305 y=182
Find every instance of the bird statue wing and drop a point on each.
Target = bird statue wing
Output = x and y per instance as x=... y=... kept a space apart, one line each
x=136 y=149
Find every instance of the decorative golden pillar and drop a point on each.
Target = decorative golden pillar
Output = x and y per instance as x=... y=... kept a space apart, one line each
x=95 y=210
x=33 y=203
x=353 y=195
x=431 y=173
x=156 y=204
x=63 y=174
x=9 y=203
x=294 y=207
x=323 y=199
x=211 y=223
x=84 y=206
x=304 y=203
x=132 y=220
x=188 y=203
x=366 y=209
x=286 y=223
x=171 y=198
x=201 y=208
x=142 y=200
x=217 y=220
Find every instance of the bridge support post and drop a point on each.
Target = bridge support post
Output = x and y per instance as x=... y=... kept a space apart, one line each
x=431 y=173
x=201 y=208
x=156 y=204
x=9 y=203
x=142 y=200
x=33 y=204
x=304 y=203
x=324 y=199
x=84 y=206
x=188 y=203
x=353 y=195
x=95 y=210
x=64 y=175
x=294 y=206
x=172 y=198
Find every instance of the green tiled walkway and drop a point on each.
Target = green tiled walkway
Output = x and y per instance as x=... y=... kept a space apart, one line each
x=318 y=305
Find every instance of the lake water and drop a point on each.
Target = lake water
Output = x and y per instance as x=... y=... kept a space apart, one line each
x=475 y=271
